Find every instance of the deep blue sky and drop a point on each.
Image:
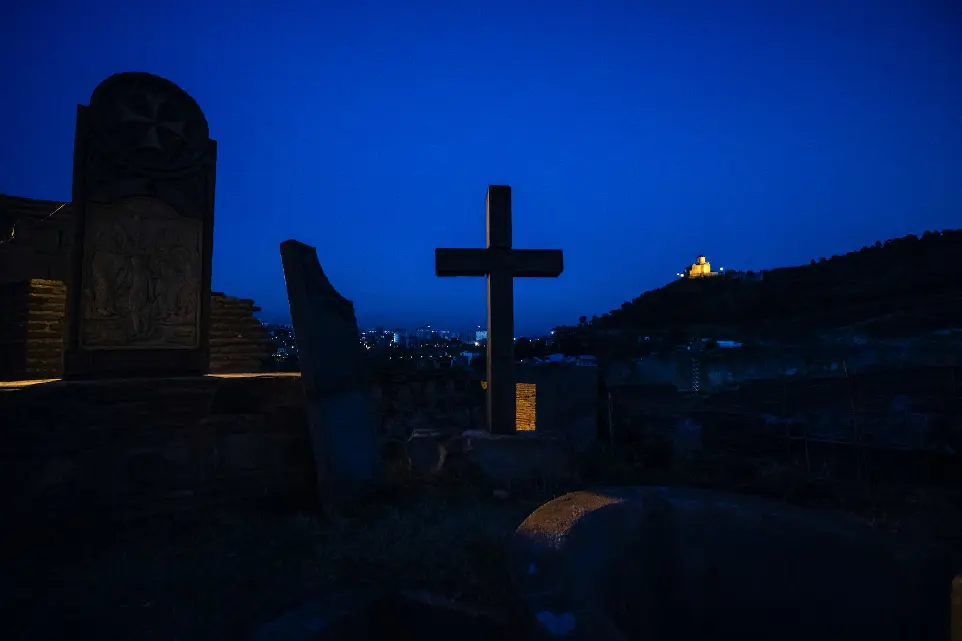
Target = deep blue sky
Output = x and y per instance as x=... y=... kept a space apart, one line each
x=635 y=134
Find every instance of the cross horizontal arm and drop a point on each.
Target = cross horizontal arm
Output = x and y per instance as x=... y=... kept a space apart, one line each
x=531 y=263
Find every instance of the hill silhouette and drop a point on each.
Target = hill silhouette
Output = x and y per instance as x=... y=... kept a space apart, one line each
x=899 y=287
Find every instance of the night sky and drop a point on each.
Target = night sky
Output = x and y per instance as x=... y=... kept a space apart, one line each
x=635 y=135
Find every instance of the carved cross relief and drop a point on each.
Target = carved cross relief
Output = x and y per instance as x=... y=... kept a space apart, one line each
x=150 y=121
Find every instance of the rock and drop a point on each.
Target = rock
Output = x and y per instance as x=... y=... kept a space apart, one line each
x=665 y=563
x=498 y=458
x=523 y=456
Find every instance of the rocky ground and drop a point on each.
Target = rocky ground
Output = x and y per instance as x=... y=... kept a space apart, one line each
x=229 y=573
x=222 y=577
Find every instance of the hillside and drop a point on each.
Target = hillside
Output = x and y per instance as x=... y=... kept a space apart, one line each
x=902 y=286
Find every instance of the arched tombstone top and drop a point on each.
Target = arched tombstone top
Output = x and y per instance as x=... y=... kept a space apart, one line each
x=149 y=122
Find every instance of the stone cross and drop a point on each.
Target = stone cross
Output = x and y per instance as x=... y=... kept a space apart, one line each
x=501 y=264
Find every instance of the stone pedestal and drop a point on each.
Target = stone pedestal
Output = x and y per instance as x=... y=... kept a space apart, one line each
x=498 y=458
x=31 y=329
x=143 y=196
x=238 y=341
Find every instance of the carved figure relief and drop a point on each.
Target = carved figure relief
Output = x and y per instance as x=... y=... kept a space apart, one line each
x=142 y=276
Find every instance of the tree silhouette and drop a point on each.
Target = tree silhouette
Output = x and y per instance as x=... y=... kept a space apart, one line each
x=905 y=279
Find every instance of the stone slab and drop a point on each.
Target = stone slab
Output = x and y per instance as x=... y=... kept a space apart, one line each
x=672 y=563
x=500 y=458
x=339 y=387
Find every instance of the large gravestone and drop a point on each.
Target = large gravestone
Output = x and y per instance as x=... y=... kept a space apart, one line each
x=337 y=382
x=143 y=193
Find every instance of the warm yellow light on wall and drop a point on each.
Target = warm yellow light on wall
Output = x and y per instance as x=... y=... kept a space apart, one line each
x=956 y=615
x=525 y=401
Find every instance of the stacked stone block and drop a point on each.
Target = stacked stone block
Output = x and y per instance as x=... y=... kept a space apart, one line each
x=238 y=341
x=31 y=329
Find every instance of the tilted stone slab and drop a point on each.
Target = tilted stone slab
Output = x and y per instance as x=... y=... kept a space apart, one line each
x=339 y=388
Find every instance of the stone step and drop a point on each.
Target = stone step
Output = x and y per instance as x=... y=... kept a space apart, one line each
x=234 y=327
x=240 y=367
x=233 y=339
x=245 y=303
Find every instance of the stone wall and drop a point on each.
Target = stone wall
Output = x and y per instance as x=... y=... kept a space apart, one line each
x=567 y=400
x=100 y=452
x=31 y=329
x=40 y=249
x=915 y=408
x=561 y=399
x=111 y=451
x=723 y=368
x=238 y=342
x=31 y=332
x=416 y=400
x=41 y=243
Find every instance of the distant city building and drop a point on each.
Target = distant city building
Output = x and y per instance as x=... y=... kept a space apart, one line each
x=378 y=337
x=729 y=344
x=480 y=335
x=425 y=333
x=699 y=269
x=284 y=345
x=578 y=361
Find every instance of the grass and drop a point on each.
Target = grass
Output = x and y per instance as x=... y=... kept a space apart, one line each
x=221 y=577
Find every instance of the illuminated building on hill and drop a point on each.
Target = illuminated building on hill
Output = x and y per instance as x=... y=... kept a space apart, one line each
x=700 y=269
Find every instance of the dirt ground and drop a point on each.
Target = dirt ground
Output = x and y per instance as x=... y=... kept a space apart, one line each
x=220 y=576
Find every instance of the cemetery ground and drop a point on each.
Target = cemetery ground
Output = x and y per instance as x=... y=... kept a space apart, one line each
x=220 y=575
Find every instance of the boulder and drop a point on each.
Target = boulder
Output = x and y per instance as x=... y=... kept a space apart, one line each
x=669 y=563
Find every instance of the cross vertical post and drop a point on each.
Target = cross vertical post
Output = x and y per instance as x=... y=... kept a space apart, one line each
x=501 y=397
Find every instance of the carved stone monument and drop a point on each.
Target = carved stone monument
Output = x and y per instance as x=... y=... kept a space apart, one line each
x=143 y=192
x=338 y=385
